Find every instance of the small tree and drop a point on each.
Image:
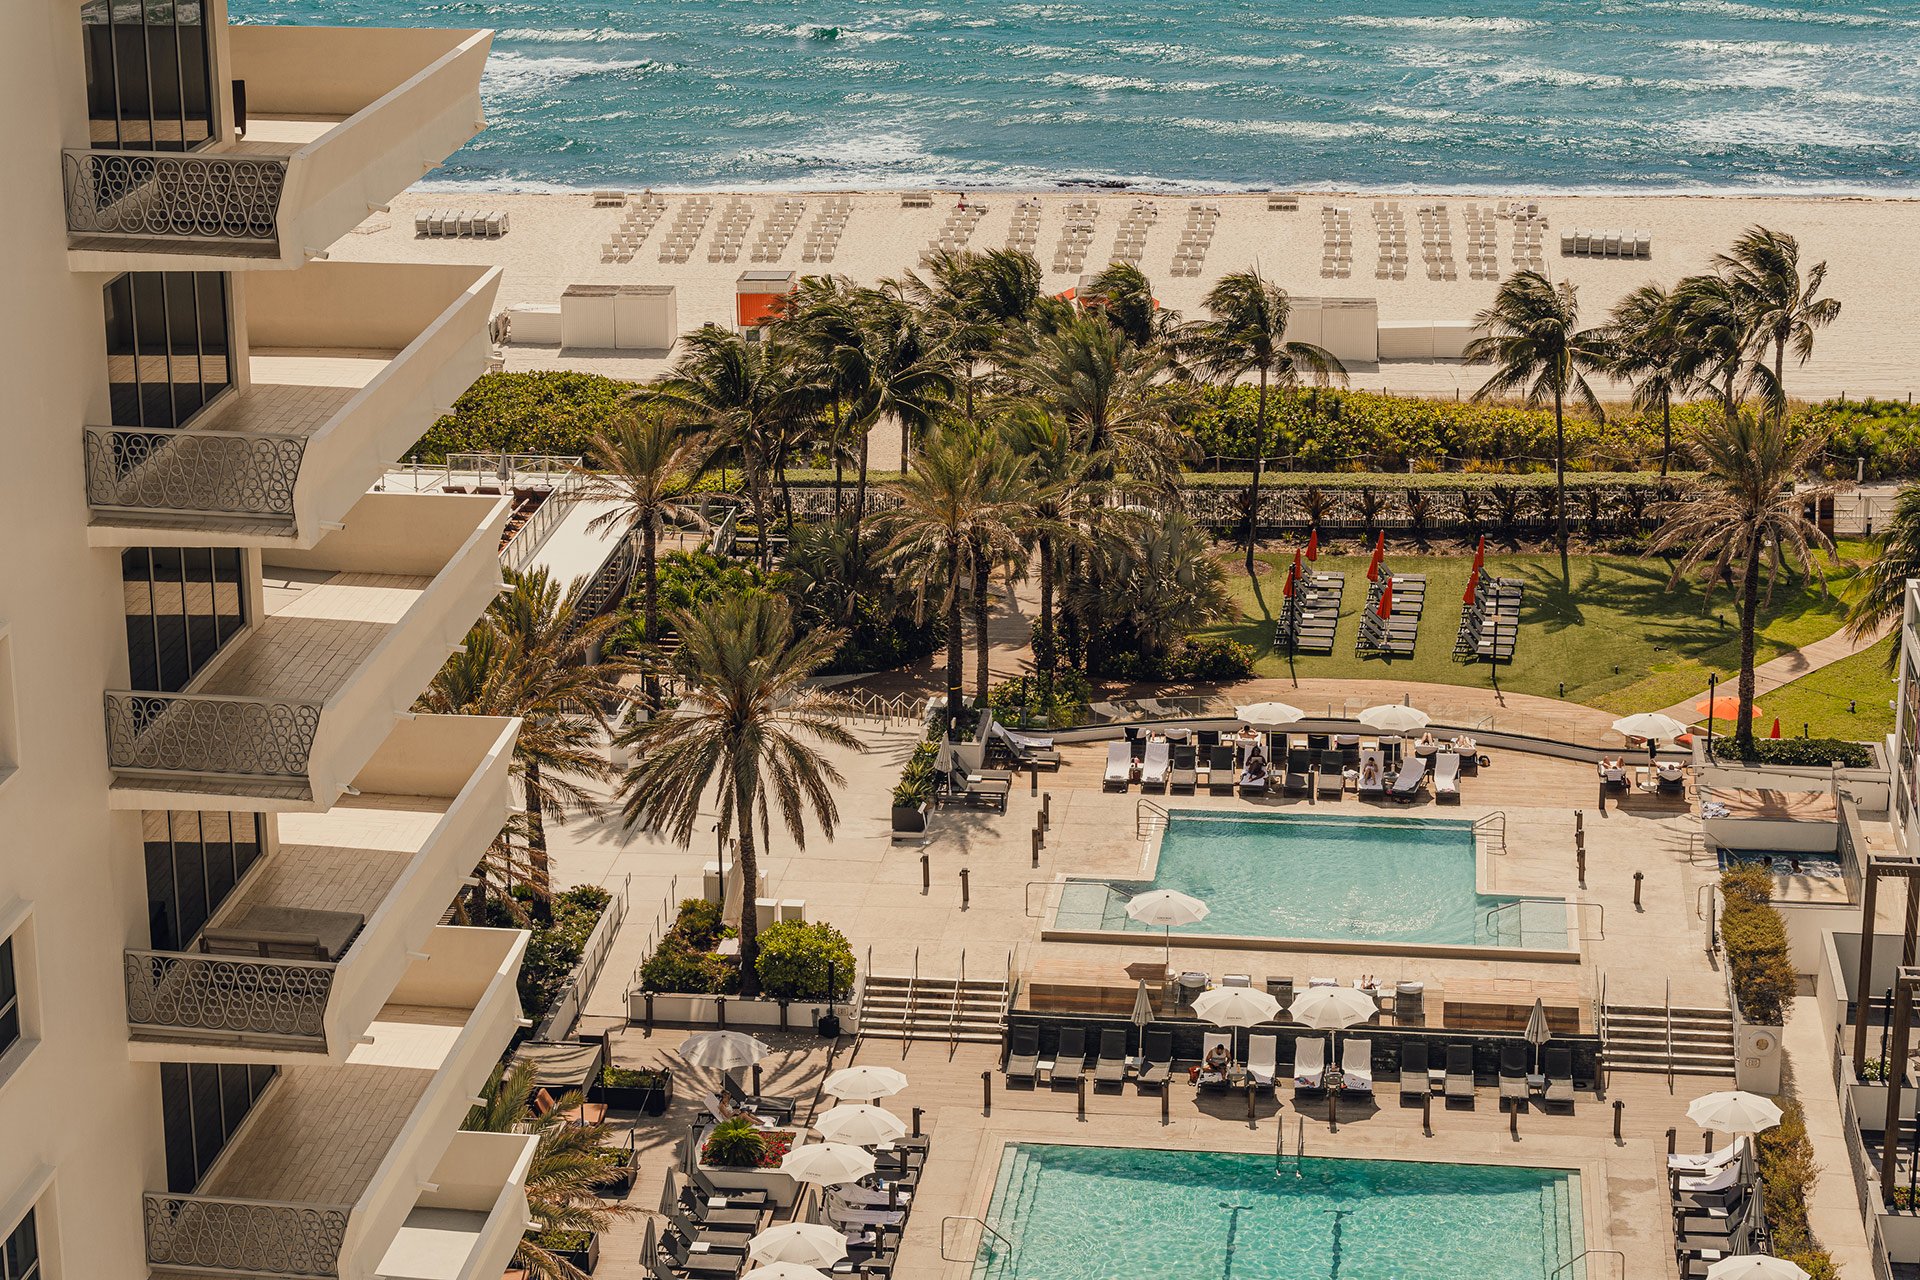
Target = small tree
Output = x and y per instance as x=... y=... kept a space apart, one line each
x=805 y=961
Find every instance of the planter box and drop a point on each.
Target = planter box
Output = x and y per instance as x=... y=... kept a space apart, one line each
x=621 y=1182
x=653 y=1101
x=704 y=1011
x=911 y=819
x=780 y=1189
x=586 y=1259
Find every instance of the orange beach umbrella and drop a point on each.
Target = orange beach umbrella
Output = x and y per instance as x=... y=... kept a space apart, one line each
x=1721 y=707
x=1386 y=600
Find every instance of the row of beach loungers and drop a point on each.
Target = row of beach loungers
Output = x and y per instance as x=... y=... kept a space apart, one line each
x=1436 y=242
x=636 y=224
x=461 y=224
x=1490 y=626
x=1180 y=767
x=1196 y=237
x=778 y=233
x=1336 y=241
x=1395 y=634
x=684 y=233
x=1606 y=244
x=1130 y=244
x=955 y=233
x=829 y=224
x=1308 y=621
x=1023 y=236
x=730 y=237
x=1390 y=225
x=1715 y=1199
x=1076 y=237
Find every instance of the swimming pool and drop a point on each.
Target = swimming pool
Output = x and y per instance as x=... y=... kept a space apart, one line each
x=1096 y=1213
x=1398 y=880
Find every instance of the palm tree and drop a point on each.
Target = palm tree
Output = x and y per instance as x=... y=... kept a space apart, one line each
x=531 y=656
x=1108 y=391
x=1782 y=307
x=1643 y=347
x=1745 y=517
x=643 y=464
x=1248 y=334
x=973 y=301
x=908 y=376
x=1122 y=295
x=1532 y=335
x=1160 y=579
x=1066 y=479
x=571 y=1162
x=746 y=725
x=820 y=326
x=1715 y=341
x=1896 y=559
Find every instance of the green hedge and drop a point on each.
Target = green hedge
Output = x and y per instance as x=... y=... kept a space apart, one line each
x=796 y=958
x=554 y=413
x=1787 y=1174
x=1817 y=752
x=555 y=947
x=1424 y=480
x=1756 y=941
x=685 y=960
x=1884 y=432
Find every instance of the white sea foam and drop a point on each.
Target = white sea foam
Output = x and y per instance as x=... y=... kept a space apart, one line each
x=571 y=35
x=511 y=74
x=1489 y=26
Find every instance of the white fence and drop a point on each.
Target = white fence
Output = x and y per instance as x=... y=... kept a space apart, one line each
x=564 y=1013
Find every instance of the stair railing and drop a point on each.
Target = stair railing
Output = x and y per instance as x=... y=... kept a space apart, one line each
x=953 y=1013
x=1488 y=824
x=985 y=1227
x=1148 y=817
x=907 y=1018
x=1584 y=1254
x=1669 y=1035
x=1706 y=906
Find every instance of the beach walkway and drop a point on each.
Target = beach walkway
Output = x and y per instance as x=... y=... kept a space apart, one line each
x=1786 y=668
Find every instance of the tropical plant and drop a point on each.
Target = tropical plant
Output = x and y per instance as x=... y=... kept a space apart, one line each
x=1716 y=341
x=805 y=960
x=1531 y=336
x=734 y=1143
x=1066 y=481
x=1108 y=392
x=1743 y=519
x=908 y=375
x=1643 y=346
x=1151 y=589
x=1121 y=294
x=747 y=722
x=550 y=412
x=1781 y=306
x=1883 y=593
x=973 y=302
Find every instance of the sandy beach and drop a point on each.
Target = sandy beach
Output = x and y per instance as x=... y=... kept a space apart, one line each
x=557 y=240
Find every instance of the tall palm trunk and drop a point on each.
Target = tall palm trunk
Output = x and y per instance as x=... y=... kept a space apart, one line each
x=1780 y=374
x=956 y=655
x=539 y=870
x=1749 y=618
x=749 y=881
x=650 y=606
x=1666 y=431
x=1259 y=457
x=839 y=454
x=860 y=493
x=1560 y=487
x=1043 y=634
x=982 y=584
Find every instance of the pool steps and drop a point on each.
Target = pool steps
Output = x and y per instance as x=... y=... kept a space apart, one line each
x=1637 y=1040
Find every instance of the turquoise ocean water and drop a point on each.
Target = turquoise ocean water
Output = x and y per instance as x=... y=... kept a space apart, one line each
x=1541 y=95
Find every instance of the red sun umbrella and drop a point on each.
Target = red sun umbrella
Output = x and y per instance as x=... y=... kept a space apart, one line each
x=1480 y=555
x=1723 y=707
x=1313 y=544
x=1296 y=562
x=1776 y=728
x=1373 y=565
x=1293 y=571
x=1386 y=600
x=1473 y=589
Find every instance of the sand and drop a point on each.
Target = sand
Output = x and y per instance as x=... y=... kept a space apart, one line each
x=1868 y=244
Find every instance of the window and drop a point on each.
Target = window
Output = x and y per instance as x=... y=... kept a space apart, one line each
x=9 y=998
x=194 y=860
x=9 y=708
x=183 y=604
x=20 y=1256
x=149 y=74
x=167 y=346
x=201 y=1105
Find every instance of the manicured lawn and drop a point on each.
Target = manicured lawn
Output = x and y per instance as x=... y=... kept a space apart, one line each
x=1818 y=700
x=1619 y=639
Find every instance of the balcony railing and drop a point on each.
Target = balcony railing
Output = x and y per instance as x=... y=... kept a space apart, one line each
x=224 y=996
x=210 y=734
x=216 y=473
x=219 y=198
x=249 y=1237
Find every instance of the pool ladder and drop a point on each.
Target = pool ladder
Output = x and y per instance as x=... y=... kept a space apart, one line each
x=986 y=1229
x=1280 y=1156
x=1148 y=818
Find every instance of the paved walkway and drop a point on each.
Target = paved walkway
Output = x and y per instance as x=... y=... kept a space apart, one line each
x=1833 y=1210
x=1786 y=668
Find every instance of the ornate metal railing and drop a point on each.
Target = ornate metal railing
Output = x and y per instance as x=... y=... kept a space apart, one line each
x=169 y=195
x=233 y=473
x=249 y=1237
x=227 y=995
x=210 y=734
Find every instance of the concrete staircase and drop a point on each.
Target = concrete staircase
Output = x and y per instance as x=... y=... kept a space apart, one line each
x=934 y=1009
x=1637 y=1039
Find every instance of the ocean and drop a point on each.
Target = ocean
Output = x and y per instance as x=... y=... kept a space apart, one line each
x=1410 y=95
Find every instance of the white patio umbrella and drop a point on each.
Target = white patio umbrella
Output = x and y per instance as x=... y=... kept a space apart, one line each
x=827 y=1164
x=1755 y=1266
x=785 y=1271
x=860 y=1124
x=798 y=1245
x=1268 y=715
x=1166 y=908
x=1537 y=1033
x=865 y=1083
x=1650 y=725
x=1235 y=1007
x=1332 y=1009
x=722 y=1050
x=1394 y=718
x=1733 y=1111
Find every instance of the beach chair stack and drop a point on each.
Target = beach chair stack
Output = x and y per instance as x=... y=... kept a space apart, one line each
x=1394 y=634
x=1307 y=621
x=829 y=224
x=1391 y=226
x=1024 y=235
x=1483 y=244
x=1336 y=241
x=461 y=224
x=730 y=237
x=1529 y=238
x=636 y=224
x=1282 y=202
x=1195 y=239
x=956 y=232
x=684 y=232
x=1130 y=245
x=1490 y=626
x=1606 y=244
x=778 y=233
x=1076 y=237
x=1436 y=241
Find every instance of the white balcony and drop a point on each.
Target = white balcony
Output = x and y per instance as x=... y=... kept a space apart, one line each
x=327 y=1176
x=349 y=363
x=306 y=951
x=340 y=120
x=468 y=1226
x=284 y=716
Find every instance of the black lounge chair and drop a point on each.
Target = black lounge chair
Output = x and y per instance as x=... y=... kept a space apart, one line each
x=1156 y=1060
x=1513 y=1071
x=1299 y=765
x=1070 y=1056
x=1222 y=773
x=1112 y=1065
x=1413 y=1069
x=1557 y=1066
x=1023 y=1051
x=1333 y=775
x=1185 y=773
x=1459 y=1079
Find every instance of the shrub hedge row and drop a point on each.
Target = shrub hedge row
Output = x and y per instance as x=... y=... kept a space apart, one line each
x=1816 y=752
x=1756 y=941
x=1787 y=1175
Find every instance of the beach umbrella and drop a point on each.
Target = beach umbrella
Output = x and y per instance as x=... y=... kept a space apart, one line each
x=865 y=1083
x=787 y=1271
x=1479 y=556
x=1142 y=1006
x=1166 y=908
x=1235 y=1007
x=827 y=1164
x=1473 y=589
x=722 y=1050
x=1313 y=544
x=1755 y=1266
x=1293 y=573
x=1297 y=571
x=861 y=1124
x=1537 y=1032
x=1650 y=725
x=1394 y=718
x=1386 y=600
x=1268 y=715
x=1733 y=1111
x=1776 y=728
x=798 y=1245
x=1332 y=1009
x=1721 y=707
x=1379 y=549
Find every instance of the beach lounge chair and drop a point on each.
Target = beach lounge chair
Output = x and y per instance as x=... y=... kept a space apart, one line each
x=1356 y=1065
x=988 y=791
x=713 y=1199
x=682 y=1256
x=1023 y=1052
x=1333 y=776
x=1614 y=776
x=1299 y=765
x=1413 y=1068
x=1406 y=785
x=1409 y=1004
x=1184 y=774
x=1112 y=1066
x=710 y=1238
x=1263 y=1060
x=712 y=1211
x=1154 y=766
x=1070 y=1056
x=1252 y=786
x=1119 y=767
x=1557 y=1065
x=1373 y=773
x=781 y=1109
x=1309 y=1064
x=1221 y=773
x=1210 y=1041
x=1446 y=777
x=1156 y=1060
x=1459 y=1077
x=1513 y=1071
x=1025 y=751
x=1703 y=1163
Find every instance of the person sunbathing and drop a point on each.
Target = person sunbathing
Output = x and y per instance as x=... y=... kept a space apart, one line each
x=1370 y=772
x=1213 y=1066
x=1256 y=768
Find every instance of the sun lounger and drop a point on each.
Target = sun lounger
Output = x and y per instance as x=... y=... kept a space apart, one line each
x=1557 y=1065
x=1156 y=1060
x=682 y=1256
x=1356 y=1065
x=1154 y=766
x=1413 y=1068
x=1409 y=1004
x=712 y=1211
x=1070 y=1058
x=1333 y=777
x=732 y=1201
x=1183 y=775
x=1023 y=1052
x=1119 y=767
x=1459 y=1078
x=1209 y=1041
x=1724 y=1179
x=1705 y=1162
x=1024 y=751
x=1513 y=1071
x=1407 y=785
x=1299 y=765
x=710 y=1238
x=1309 y=1064
x=1252 y=786
x=1112 y=1066
x=1446 y=776
x=981 y=790
x=1221 y=773
x=1373 y=773
x=1263 y=1060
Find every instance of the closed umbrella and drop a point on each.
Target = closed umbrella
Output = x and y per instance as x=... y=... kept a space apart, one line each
x=1650 y=725
x=860 y=1124
x=827 y=1164
x=1142 y=1013
x=785 y=1271
x=1268 y=715
x=1166 y=908
x=1394 y=718
x=1235 y=1007
x=1755 y=1266
x=1734 y=1111
x=798 y=1245
x=722 y=1050
x=1537 y=1032
x=1332 y=1009
x=865 y=1083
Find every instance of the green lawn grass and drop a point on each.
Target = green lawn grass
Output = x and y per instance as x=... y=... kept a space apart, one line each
x=1619 y=639
x=1816 y=703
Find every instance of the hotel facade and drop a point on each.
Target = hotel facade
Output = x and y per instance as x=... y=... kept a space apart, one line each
x=235 y=1037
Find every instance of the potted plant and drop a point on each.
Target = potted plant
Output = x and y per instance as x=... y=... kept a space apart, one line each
x=620 y=1171
x=735 y=1144
x=646 y=1089
x=913 y=795
x=579 y=1248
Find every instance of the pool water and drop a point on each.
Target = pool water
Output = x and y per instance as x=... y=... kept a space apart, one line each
x=1407 y=880
x=1114 y=1213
